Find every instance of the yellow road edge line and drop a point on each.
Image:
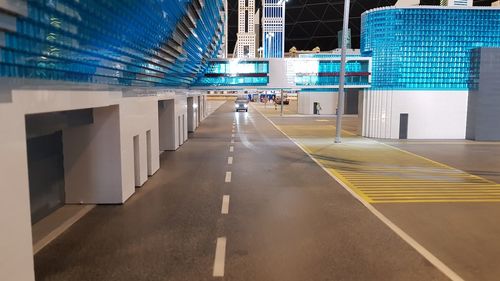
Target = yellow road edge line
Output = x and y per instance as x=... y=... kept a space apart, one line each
x=406 y=237
x=438 y=201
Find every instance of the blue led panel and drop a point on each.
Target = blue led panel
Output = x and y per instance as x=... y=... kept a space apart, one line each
x=327 y=74
x=426 y=48
x=235 y=73
x=115 y=42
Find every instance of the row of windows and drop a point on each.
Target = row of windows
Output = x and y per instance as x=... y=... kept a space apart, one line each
x=331 y=80
x=232 y=81
x=235 y=67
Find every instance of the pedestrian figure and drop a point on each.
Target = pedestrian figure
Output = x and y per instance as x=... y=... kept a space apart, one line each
x=318 y=108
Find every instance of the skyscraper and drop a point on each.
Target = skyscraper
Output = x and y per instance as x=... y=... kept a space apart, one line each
x=273 y=27
x=245 y=45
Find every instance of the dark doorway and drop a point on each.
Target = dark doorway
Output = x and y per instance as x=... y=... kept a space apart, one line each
x=46 y=174
x=351 y=101
x=137 y=161
x=403 y=126
x=315 y=108
x=149 y=152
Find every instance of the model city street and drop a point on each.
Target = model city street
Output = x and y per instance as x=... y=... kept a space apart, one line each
x=249 y=140
x=285 y=218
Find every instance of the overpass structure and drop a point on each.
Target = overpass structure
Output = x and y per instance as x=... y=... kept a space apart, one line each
x=315 y=72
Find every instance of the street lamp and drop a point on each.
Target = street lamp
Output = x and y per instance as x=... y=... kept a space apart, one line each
x=340 y=105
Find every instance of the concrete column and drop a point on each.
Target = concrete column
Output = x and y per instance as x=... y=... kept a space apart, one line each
x=199 y=111
x=181 y=117
x=92 y=160
x=16 y=252
x=167 y=125
x=138 y=118
x=191 y=120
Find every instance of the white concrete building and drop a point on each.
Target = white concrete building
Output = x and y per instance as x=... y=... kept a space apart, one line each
x=104 y=159
x=246 y=36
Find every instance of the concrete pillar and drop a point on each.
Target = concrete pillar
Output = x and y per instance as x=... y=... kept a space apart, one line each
x=139 y=132
x=199 y=109
x=92 y=160
x=16 y=252
x=167 y=126
x=181 y=115
x=191 y=120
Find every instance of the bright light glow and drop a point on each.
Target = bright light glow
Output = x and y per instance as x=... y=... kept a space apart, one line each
x=246 y=105
x=236 y=67
x=302 y=66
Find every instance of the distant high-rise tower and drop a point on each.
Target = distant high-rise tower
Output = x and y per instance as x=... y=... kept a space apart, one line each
x=245 y=44
x=464 y=3
x=273 y=27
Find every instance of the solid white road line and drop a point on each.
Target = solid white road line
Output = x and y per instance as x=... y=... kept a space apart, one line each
x=231 y=148
x=406 y=237
x=220 y=257
x=225 y=205
x=230 y=160
x=228 y=176
x=40 y=244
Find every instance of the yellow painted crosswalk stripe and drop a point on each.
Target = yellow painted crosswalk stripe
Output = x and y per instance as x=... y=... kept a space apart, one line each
x=381 y=173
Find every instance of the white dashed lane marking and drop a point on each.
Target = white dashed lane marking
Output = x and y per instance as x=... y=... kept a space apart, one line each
x=225 y=205
x=230 y=160
x=220 y=257
x=231 y=148
x=228 y=177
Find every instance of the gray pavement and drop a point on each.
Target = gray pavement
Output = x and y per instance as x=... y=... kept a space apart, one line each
x=288 y=220
x=478 y=158
x=465 y=236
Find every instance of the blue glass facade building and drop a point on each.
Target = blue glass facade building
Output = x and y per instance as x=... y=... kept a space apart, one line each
x=223 y=73
x=273 y=27
x=169 y=43
x=426 y=48
x=115 y=42
x=357 y=73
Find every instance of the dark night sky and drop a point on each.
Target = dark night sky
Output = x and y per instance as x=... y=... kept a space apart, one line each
x=311 y=23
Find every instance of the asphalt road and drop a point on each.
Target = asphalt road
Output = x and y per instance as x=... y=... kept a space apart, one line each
x=286 y=219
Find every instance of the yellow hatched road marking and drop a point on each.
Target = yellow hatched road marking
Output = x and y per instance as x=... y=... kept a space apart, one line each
x=407 y=238
x=380 y=173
